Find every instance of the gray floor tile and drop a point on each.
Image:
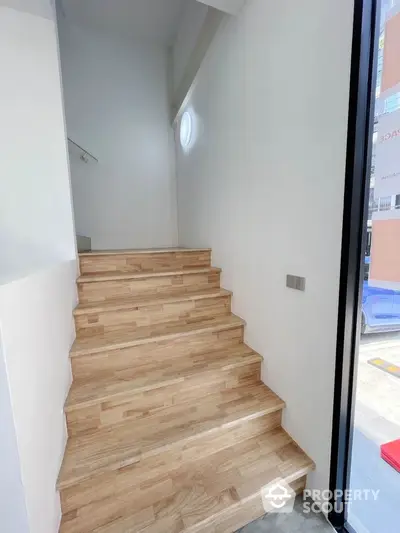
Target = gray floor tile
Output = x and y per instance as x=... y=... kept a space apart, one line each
x=295 y=522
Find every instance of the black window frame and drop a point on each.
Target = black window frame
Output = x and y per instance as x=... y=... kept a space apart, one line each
x=363 y=74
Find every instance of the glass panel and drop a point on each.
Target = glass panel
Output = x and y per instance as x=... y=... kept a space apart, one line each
x=375 y=462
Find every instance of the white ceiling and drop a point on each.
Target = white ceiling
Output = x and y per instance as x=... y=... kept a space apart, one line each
x=155 y=21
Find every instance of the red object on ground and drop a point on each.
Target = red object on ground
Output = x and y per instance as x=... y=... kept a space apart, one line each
x=390 y=453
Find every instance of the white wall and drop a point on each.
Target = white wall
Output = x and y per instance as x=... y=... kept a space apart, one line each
x=37 y=268
x=191 y=24
x=229 y=6
x=36 y=223
x=117 y=108
x=262 y=184
x=42 y=8
x=13 y=514
x=37 y=331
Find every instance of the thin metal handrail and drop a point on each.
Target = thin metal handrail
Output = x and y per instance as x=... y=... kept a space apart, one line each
x=83 y=150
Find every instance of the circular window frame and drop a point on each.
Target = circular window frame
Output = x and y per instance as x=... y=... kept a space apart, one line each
x=186 y=129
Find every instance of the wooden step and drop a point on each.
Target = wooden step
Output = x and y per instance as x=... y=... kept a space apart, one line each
x=98 y=365
x=128 y=408
x=144 y=260
x=151 y=334
x=117 y=276
x=117 y=285
x=170 y=428
x=175 y=426
x=144 y=301
x=215 y=494
x=115 y=315
x=110 y=483
x=144 y=388
x=150 y=375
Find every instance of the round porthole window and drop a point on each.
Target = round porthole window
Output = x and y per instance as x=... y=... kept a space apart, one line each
x=186 y=129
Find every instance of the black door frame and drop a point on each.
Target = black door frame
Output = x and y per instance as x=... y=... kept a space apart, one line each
x=358 y=167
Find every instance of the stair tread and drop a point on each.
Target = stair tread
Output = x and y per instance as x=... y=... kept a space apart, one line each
x=127 y=251
x=116 y=276
x=203 y=491
x=147 y=300
x=128 y=443
x=168 y=432
x=153 y=374
x=113 y=340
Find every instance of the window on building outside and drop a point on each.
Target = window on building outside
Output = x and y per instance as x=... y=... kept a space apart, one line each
x=385 y=203
x=392 y=103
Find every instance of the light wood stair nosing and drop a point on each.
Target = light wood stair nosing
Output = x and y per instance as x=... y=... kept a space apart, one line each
x=203 y=327
x=121 y=276
x=128 y=459
x=249 y=359
x=131 y=302
x=95 y=253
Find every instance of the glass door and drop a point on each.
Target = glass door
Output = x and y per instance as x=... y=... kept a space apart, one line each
x=366 y=435
x=375 y=453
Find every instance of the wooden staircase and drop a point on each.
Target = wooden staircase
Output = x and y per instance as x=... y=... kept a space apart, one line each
x=170 y=427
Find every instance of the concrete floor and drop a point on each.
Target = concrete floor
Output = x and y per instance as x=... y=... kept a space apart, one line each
x=295 y=522
x=377 y=413
x=377 y=420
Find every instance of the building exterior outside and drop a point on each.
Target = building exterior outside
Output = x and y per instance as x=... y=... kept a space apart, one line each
x=384 y=206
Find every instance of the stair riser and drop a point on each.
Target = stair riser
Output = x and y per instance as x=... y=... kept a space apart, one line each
x=188 y=446
x=149 y=262
x=137 y=406
x=100 y=291
x=244 y=514
x=95 y=366
x=87 y=500
x=134 y=317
